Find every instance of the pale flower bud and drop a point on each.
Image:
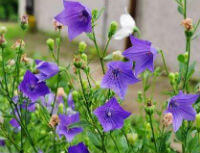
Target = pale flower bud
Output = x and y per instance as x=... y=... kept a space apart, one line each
x=117 y=56
x=57 y=25
x=11 y=62
x=3 y=30
x=54 y=120
x=61 y=92
x=187 y=23
x=132 y=138
x=24 y=22
x=18 y=44
x=25 y=59
x=167 y=119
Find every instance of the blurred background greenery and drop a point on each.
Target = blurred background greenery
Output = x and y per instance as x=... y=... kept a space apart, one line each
x=8 y=10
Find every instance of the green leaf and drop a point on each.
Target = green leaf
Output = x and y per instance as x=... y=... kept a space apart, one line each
x=95 y=139
x=180 y=10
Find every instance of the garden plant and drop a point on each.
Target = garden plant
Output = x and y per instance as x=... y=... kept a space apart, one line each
x=48 y=107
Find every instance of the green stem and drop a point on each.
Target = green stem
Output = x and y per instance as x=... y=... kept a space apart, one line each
x=114 y=142
x=152 y=130
x=106 y=48
x=89 y=112
x=164 y=62
x=188 y=42
x=98 y=52
x=185 y=9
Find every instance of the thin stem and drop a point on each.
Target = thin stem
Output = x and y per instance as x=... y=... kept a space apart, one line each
x=185 y=9
x=98 y=52
x=152 y=130
x=106 y=48
x=114 y=142
x=164 y=62
x=188 y=42
x=197 y=25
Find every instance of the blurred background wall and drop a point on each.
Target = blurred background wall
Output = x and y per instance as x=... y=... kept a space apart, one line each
x=158 y=20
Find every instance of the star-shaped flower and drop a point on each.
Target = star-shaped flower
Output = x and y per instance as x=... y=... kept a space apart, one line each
x=118 y=77
x=77 y=17
x=142 y=53
x=111 y=115
x=64 y=126
x=32 y=88
x=46 y=70
x=79 y=148
x=180 y=106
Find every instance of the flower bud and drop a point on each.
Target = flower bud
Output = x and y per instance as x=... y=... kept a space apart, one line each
x=147 y=126
x=24 y=22
x=113 y=29
x=94 y=14
x=11 y=62
x=140 y=96
x=132 y=138
x=3 y=42
x=82 y=46
x=77 y=62
x=3 y=30
x=19 y=44
x=61 y=108
x=57 y=25
x=61 y=92
x=187 y=23
x=25 y=59
x=75 y=95
x=167 y=119
x=172 y=78
x=54 y=120
x=50 y=43
x=198 y=121
x=117 y=56
x=97 y=85
x=185 y=56
x=149 y=108
x=84 y=84
x=84 y=57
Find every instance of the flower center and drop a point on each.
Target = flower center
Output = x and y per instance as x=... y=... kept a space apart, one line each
x=115 y=72
x=32 y=87
x=84 y=16
x=108 y=113
x=173 y=104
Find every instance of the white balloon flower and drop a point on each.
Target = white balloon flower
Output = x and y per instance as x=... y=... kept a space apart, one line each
x=127 y=26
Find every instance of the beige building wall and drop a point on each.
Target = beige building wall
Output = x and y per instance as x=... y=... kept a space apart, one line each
x=160 y=23
x=158 y=20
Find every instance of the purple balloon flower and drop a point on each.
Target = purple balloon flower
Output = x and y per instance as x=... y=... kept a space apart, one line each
x=64 y=128
x=180 y=106
x=30 y=106
x=46 y=70
x=71 y=101
x=111 y=115
x=2 y=142
x=48 y=100
x=118 y=77
x=77 y=17
x=14 y=123
x=79 y=148
x=142 y=53
x=31 y=88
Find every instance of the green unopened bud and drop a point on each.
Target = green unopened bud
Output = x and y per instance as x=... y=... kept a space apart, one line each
x=139 y=96
x=97 y=85
x=172 y=78
x=149 y=108
x=75 y=95
x=147 y=126
x=113 y=29
x=3 y=30
x=24 y=22
x=84 y=57
x=3 y=42
x=198 y=121
x=60 y=108
x=82 y=46
x=176 y=75
x=84 y=84
x=94 y=14
x=132 y=138
x=185 y=56
x=50 y=43
x=117 y=56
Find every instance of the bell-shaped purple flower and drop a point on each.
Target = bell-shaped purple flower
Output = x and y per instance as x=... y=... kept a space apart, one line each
x=180 y=106
x=142 y=53
x=14 y=123
x=64 y=126
x=77 y=17
x=2 y=142
x=71 y=101
x=32 y=88
x=111 y=115
x=118 y=77
x=46 y=70
x=79 y=148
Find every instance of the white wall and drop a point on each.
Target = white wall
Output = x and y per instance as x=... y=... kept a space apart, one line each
x=45 y=12
x=160 y=23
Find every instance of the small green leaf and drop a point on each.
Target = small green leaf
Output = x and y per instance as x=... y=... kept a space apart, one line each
x=180 y=10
